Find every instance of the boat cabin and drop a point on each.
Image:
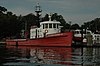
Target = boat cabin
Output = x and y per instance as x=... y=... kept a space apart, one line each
x=77 y=33
x=46 y=27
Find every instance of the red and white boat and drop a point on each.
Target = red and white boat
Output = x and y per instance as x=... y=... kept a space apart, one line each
x=49 y=34
x=77 y=36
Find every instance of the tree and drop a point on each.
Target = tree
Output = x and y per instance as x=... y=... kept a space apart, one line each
x=75 y=26
x=2 y=9
x=45 y=18
x=29 y=20
x=93 y=25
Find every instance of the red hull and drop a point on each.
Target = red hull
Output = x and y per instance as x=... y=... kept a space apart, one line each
x=61 y=39
x=77 y=39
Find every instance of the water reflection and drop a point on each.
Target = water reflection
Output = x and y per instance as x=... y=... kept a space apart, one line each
x=91 y=56
x=51 y=56
x=39 y=55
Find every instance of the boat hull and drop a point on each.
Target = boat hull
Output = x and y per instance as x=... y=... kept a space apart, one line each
x=60 y=39
x=77 y=39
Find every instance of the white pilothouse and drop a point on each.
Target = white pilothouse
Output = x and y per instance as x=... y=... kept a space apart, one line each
x=46 y=27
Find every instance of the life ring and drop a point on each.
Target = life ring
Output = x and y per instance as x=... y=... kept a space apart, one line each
x=46 y=31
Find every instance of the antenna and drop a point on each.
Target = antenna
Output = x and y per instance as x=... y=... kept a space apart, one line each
x=38 y=14
x=50 y=16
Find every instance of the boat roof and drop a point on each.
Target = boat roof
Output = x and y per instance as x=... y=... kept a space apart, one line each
x=47 y=22
x=77 y=30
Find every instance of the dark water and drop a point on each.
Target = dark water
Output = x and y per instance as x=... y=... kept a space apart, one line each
x=49 y=56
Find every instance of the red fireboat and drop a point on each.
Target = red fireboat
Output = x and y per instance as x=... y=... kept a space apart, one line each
x=48 y=34
x=59 y=39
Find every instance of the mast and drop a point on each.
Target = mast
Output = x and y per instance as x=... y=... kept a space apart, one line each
x=38 y=14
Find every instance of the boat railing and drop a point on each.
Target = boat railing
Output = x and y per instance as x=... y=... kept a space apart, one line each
x=16 y=39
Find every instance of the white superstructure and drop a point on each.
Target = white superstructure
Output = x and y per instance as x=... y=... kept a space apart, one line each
x=96 y=38
x=77 y=33
x=46 y=27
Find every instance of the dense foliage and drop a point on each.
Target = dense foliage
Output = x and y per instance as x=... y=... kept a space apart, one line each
x=93 y=25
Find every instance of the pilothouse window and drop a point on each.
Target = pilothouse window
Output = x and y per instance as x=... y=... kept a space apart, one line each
x=50 y=25
x=46 y=25
x=57 y=25
x=43 y=26
x=54 y=25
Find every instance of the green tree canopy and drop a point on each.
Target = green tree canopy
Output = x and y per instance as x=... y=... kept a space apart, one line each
x=2 y=9
x=93 y=25
x=75 y=26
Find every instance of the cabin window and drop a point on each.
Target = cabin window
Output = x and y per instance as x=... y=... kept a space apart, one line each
x=57 y=25
x=43 y=26
x=46 y=25
x=54 y=25
x=77 y=32
x=50 y=25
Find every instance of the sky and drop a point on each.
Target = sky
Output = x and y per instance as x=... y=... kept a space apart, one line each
x=76 y=11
